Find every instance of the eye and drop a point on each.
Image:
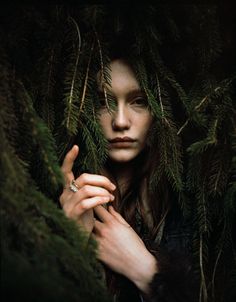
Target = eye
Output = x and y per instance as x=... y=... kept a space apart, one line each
x=102 y=102
x=140 y=102
x=107 y=104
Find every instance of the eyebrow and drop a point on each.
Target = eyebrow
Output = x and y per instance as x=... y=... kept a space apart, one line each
x=129 y=94
x=135 y=91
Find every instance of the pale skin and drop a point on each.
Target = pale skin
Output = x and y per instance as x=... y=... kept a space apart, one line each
x=119 y=246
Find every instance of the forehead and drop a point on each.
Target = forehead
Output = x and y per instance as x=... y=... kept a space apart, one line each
x=121 y=77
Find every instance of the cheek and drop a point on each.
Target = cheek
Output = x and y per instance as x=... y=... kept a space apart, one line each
x=145 y=131
x=104 y=120
x=145 y=124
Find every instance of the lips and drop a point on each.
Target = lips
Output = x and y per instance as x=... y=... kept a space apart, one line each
x=125 y=139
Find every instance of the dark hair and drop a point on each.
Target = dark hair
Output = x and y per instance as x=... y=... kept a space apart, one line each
x=133 y=204
x=142 y=194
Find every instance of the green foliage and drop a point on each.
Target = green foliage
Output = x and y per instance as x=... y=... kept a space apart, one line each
x=38 y=242
x=49 y=60
x=44 y=255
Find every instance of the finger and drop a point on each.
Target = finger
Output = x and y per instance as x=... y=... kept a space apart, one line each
x=85 y=205
x=70 y=199
x=93 y=202
x=94 y=180
x=102 y=214
x=98 y=225
x=117 y=216
x=98 y=229
x=68 y=162
x=92 y=191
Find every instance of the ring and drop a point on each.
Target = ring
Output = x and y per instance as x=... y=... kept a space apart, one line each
x=73 y=186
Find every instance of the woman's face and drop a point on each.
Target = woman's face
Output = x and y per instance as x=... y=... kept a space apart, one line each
x=127 y=126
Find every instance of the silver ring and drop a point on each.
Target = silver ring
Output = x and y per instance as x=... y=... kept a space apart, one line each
x=73 y=186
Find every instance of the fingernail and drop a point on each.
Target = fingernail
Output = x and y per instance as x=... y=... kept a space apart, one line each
x=113 y=186
x=112 y=197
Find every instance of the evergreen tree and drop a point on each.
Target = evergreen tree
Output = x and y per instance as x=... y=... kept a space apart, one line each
x=49 y=58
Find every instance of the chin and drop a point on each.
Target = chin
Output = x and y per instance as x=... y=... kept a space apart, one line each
x=123 y=156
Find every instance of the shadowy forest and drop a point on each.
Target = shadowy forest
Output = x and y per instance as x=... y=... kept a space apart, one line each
x=184 y=56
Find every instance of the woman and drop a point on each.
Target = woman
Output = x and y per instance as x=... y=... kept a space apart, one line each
x=132 y=232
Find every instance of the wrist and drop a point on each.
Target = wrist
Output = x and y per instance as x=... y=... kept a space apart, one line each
x=145 y=272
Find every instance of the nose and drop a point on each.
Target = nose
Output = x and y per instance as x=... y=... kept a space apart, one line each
x=121 y=119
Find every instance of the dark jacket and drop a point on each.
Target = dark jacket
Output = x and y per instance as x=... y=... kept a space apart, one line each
x=175 y=281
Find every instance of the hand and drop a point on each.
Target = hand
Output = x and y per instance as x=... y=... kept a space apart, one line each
x=121 y=249
x=93 y=190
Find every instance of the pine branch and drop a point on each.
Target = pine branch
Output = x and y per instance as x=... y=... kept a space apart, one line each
x=203 y=287
x=196 y=109
x=86 y=81
x=216 y=93
x=105 y=77
x=41 y=139
x=95 y=147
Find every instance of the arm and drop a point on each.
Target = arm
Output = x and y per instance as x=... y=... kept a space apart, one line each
x=122 y=250
x=162 y=276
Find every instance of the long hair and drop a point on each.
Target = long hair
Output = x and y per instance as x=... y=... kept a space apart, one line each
x=139 y=196
x=141 y=205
